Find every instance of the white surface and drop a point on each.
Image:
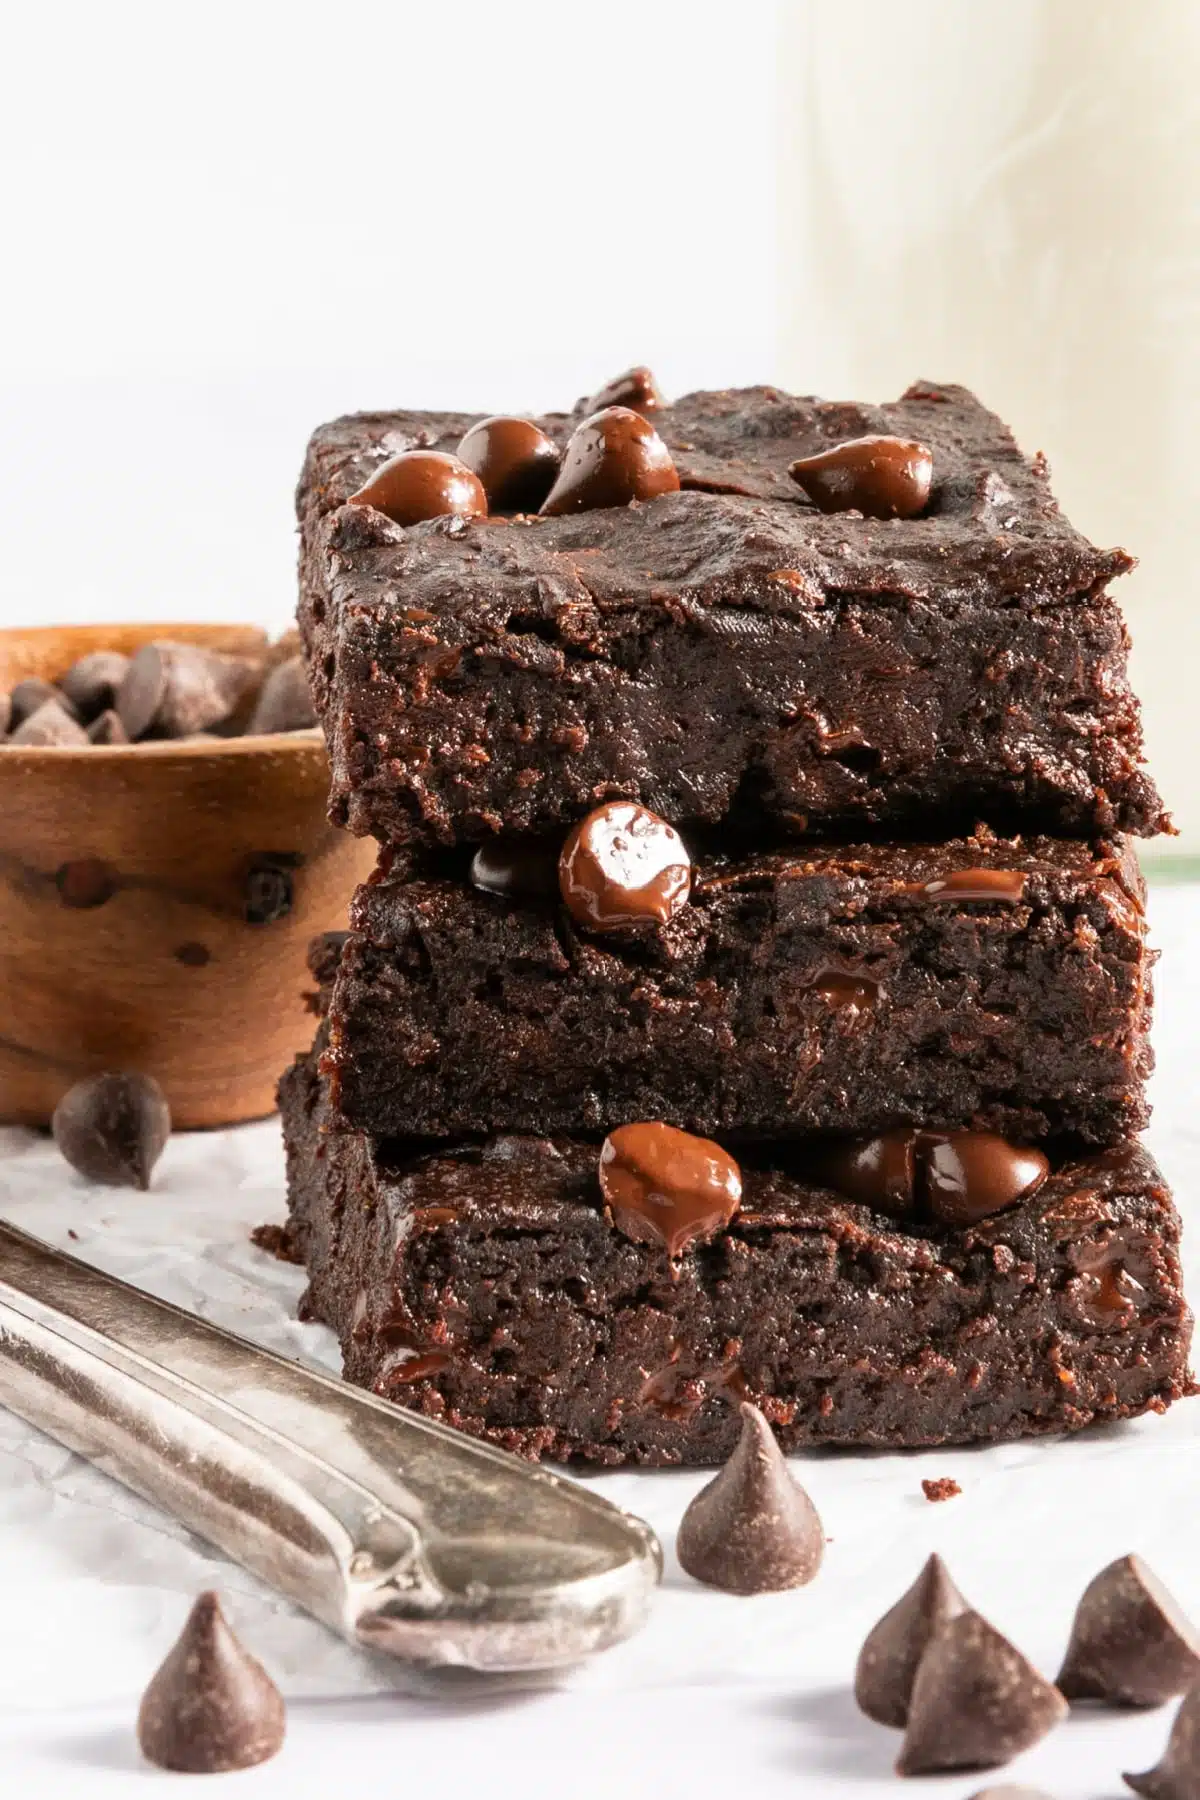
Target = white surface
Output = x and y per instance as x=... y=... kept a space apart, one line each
x=718 y=1695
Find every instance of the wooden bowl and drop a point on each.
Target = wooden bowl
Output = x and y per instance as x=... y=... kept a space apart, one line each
x=157 y=900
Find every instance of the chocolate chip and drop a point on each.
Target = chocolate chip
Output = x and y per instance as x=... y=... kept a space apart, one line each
x=107 y=728
x=268 y=891
x=613 y=458
x=976 y=1701
x=91 y=683
x=623 y=866
x=636 y=388
x=112 y=1128
x=970 y=1175
x=1177 y=1776
x=752 y=1530
x=514 y=869
x=423 y=484
x=881 y=477
x=50 y=727
x=667 y=1187
x=892 y=1650
x=29 y=695
x=86 y=881
x=1005 y=885
x=175 y=690
x=284 y=702
x=879 y=1172
x=842 y=992
x=515 y=462
x=1130 y=1644
x=211 y=1707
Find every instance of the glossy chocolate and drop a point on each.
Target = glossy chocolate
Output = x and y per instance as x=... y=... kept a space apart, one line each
x=879 y=1172
x=613 y=458
x=624 y=866
x=976 y=1702
x=1130 y=1643
x=515 y=869
x=968 y=1175
x=211 y=1708
x=423 y=484
x=852 y=995
x=880 y=477
x=753 y=1529
x=635 y=388
x=515 y=462
x=666 y=1187
x=1007 y=885
x=893 y=1648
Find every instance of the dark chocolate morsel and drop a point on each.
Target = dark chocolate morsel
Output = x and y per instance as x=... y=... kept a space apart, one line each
x=845 y=993
x=423 y=484
x=1006 y=885
x=284 y=702
x=515 y=869
x=880 y=477
x=50 y=727
x=976 y=1701
x=91 y=683
x=269 y=891
x=113 y=1128
x=86 y=881
x=175 y=690
x=892 y=1650
x=666 y=1187
x=515 y=462
x=622 y=866
x=635 y=388
x=613 y=458
x=211 y=1707
x=1130 y=1644
x=29 y=695
x=753 y=1529
x=106 y=728
x=879 y=1172
x=969 y=1175
x=1177 y=1776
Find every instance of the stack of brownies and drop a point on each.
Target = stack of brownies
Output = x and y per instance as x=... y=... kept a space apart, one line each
x=751 y=1001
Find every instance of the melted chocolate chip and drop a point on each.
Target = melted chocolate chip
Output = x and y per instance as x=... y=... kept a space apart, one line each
x=113 y=1128
x=1005 y=885
x=211 y=1707
x=91 y=683
x=1177 y=1776
x=1130 y=1644
x=622 y=866
x=515 y=462
x=853 y=995
x=635 y=388
x=971 y=1174
x=176 y=690
x=423 y=484
x=880 y=477
x=879 y=1172
x=667 y=1187
x=976 y=1701
x=892 y=1650
x=515 y=869
x=752 y=1530
x=613 y=458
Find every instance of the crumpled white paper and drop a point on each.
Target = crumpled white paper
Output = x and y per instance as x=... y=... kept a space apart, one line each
x=95 y=1582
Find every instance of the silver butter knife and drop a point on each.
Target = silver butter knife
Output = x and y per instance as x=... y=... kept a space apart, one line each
x=398 y=1532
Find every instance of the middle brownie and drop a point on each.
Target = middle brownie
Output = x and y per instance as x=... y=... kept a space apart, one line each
x=996 y=984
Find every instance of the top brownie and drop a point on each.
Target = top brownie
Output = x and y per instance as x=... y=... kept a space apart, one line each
x=724 y=647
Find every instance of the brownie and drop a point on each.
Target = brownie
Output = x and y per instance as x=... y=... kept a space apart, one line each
x=823 y=989
x=727 y=648
x=483 y=1284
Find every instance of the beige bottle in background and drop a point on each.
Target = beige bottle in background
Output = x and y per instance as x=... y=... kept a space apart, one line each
x=1009 y=196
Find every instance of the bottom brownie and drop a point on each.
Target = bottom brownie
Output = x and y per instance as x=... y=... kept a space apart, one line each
x=484 y=1285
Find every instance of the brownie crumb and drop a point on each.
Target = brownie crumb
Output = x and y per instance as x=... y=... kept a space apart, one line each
x=277 y=1241
x=942 y=1489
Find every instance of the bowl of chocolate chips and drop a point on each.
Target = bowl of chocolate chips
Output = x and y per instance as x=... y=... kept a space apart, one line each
x=165 y=858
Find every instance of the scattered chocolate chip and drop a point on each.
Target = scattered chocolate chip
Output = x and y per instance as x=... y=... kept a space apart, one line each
x=51 y=727
x=970 y=1175
x=636 y=388
x=284 y=702
x=976 y=1701
x=879 y=1172
x=753 y=1529
x=278 y=1241
x=112 y=1128
x=1005 y=885
x=842 y=992
x=515 y=869
x=880 y=477
x=211 y=1707
x=942 y=1488
x=86 y=882
x=175 y=690
x=268 y=891
x=1177 y=1776
x=892 y=1650
x=622 y=866
x=30 y=694
x=613 y=458
x=666 y=1187
x=107 y=728
x=515 y=462
x=423 y=484
x=91 y=683
x=1130 y=1644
